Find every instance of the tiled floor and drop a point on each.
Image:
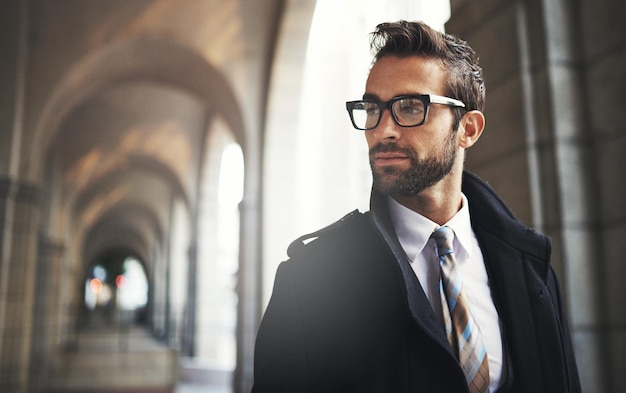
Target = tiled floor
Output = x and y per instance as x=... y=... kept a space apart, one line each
x=179 y=388
x=198 y=388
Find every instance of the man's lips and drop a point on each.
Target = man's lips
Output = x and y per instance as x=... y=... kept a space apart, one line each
x=388 y=158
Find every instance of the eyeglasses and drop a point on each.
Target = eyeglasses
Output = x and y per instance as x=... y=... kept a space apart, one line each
x=407 y=111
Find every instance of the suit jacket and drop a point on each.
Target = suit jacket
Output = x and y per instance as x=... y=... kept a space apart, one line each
x=348 y=314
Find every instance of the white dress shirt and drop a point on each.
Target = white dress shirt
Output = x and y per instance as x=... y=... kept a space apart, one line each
x=414 y=232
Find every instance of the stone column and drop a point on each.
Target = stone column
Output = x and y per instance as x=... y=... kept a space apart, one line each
x=19 y=214
x=248 y=288
x=189 y=334
x=538 y=111
x=575 y=177
x=46 y=320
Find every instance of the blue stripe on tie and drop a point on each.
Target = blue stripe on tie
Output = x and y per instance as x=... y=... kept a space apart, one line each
x=471 y=373
x=456 y=290
x=479 y=359
x=451 y=304
x=482 y=353
x=468 y=329
x=451 y=299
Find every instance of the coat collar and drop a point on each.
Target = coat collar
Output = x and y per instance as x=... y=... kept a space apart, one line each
x=491 y=217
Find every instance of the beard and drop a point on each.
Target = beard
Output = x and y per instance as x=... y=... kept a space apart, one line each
x=421 y=174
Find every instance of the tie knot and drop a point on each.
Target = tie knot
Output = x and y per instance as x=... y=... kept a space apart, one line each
x=443 y=237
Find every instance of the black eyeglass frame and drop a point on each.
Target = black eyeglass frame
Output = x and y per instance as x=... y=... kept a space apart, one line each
x=426 y=99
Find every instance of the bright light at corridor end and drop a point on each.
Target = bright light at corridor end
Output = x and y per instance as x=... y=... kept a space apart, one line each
x=230 y=191
x=434 y=13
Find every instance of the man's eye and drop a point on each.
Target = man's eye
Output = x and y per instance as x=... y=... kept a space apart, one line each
x=412 y=106
x=409 y=107
x=371 y=109
x=409 y=110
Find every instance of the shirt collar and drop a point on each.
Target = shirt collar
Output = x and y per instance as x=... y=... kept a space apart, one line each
x=414 y=230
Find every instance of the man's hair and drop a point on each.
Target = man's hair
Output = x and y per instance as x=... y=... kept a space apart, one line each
x=404 y=39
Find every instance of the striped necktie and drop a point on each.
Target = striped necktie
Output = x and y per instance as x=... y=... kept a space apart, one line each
x=463 y=333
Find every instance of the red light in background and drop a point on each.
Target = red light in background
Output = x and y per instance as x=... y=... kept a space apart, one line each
x=95 y=285
x=120 y=281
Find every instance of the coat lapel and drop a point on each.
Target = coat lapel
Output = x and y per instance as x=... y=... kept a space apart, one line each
x=516 y=259
x=419 y=306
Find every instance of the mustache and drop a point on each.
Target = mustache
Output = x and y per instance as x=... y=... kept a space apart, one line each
x=390 y=148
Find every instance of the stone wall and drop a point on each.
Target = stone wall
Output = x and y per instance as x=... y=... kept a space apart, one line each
x=553 y=149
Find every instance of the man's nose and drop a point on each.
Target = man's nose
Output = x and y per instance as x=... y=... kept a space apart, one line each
x=387 y=128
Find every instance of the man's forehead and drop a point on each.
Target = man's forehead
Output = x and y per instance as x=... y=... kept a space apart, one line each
x=392 y=75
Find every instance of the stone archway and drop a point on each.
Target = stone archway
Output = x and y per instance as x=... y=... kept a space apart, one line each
x=146 y=65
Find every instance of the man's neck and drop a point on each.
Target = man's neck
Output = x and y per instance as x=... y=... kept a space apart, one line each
x=439 y=203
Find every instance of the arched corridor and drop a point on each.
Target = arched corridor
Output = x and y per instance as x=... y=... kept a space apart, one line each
x=158 y=156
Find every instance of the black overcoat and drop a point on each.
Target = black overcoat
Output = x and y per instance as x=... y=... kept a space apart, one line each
x=348 y=314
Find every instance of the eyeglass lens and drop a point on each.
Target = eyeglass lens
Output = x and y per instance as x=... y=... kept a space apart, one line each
x=407 y=112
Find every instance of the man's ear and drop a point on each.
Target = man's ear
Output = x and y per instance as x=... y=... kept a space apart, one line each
x=471 y=128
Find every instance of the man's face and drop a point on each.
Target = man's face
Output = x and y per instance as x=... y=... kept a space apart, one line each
x=405 y=161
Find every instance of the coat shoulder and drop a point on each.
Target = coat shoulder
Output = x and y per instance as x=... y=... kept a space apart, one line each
x=338 y=230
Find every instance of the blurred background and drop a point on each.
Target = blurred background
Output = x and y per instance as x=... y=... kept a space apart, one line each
x=158 y=156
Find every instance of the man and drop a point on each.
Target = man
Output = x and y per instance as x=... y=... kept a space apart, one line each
x=438 y=288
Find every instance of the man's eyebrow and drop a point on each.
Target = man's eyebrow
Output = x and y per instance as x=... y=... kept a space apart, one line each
x=371 y=96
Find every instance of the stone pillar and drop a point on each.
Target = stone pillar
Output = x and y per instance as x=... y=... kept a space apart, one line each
x=538 y=109
x=575 y=175
x=249 y=291
x=158 y=293
x=47 y=316
x=189 y=334
x=19 y=214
